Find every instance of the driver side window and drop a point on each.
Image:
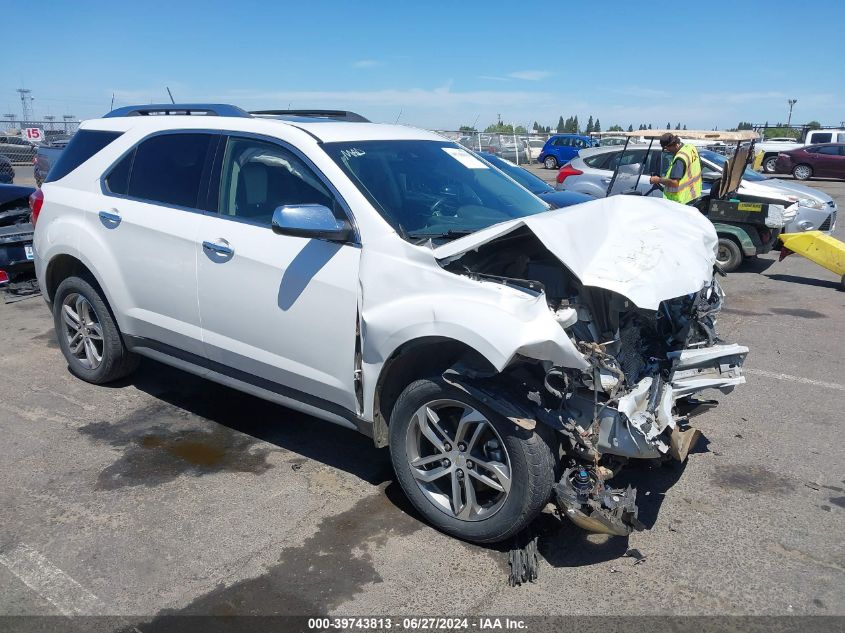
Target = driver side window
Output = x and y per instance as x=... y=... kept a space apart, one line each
x=258 y=177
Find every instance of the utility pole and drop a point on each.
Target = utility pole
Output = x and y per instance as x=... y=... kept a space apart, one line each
x=791 y=102
x=26 y=103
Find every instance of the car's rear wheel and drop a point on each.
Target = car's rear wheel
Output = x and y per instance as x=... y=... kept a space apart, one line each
x=802 y=172
x=550 y=162
x=770 y=164
x=469 y=471
x=88 y=335
x=728 y=255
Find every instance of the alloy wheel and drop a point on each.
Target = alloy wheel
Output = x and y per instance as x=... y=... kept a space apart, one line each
x=82 y=330
x=458 y=460
x=802 y=172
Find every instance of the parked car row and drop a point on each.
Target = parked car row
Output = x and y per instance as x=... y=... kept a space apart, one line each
x=17 y=149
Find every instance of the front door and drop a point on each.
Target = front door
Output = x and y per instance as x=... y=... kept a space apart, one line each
x=279 y=310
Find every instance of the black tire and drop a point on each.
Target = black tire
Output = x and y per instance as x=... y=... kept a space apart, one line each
x=730 y=255
x=769 y=164
x=802 y=172
x=550 y=162
x=530 y=459
x=117 y=362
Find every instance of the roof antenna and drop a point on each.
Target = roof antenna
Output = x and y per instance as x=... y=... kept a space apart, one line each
x=170 y=94
x=398 y=115
x=111 y=107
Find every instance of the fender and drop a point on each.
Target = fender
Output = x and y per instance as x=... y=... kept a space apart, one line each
x=748 y=247
x=498 y=322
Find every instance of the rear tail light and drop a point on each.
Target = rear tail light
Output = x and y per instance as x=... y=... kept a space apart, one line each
x=36 y=200
x=566 y=171
x=4 y=277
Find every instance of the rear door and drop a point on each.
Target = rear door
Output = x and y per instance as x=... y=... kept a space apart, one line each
x=149 y=220
x=827 y=161
x=277 y=311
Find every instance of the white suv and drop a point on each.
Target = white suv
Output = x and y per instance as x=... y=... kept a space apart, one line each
x=388 y=280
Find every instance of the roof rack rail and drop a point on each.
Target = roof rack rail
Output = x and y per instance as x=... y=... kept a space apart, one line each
x=202 y=109
x=340 y=115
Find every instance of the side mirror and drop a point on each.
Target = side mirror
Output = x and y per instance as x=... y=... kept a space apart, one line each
x=310 y=220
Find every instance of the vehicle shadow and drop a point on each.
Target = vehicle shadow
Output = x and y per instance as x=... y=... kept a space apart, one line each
x=310 y=437
x=806 y=281
x=560 y=543
x=755 y=265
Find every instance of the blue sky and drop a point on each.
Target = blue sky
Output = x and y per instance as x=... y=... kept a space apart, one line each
x=437 y=64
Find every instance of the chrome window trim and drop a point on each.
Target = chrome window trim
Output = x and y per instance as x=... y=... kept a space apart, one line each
x=347 y=210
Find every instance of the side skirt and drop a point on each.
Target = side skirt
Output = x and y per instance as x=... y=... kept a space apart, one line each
x=248 y=383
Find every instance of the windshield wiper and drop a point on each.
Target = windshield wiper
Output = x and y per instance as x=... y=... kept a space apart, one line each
x=421 y=236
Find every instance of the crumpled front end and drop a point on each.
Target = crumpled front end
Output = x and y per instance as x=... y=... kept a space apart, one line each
x=643 y=365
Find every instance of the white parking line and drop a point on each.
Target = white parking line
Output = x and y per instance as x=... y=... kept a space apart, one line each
x=50 y=582
x=799 y=379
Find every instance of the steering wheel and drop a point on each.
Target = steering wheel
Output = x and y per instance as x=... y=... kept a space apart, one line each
x=445 y=203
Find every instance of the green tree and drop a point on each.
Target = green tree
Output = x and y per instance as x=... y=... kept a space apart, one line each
x=744 y=125
x=589 y=125
x=685 y=126
x=561 y=127
x=649 y=126
x=597 y=126
x=468 y=129
x=678 y=127
x=668 y=126
x=575 y=127
x=631 y=128
x=814 y=125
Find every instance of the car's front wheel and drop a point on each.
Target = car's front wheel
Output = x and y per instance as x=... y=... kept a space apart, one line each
x=550 y=162
x=469 y=471
x=802 y=172
x=87 y=333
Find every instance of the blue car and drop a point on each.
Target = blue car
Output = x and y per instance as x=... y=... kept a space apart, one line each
x=541 y=189
x=562 y=148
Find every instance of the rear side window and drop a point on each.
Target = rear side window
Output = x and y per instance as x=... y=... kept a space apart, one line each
x=833 y=150
x=822 y=137
x=118 y=179
x=81 y=147
x=169 y=169
x=597 y=161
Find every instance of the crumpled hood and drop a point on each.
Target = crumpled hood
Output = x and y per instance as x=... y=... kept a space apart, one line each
x=645 y=249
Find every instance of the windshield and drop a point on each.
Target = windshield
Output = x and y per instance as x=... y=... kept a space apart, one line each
x=523 y=177
x=719 y=161
x=432 y=188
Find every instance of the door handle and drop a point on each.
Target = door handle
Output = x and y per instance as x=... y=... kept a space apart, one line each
x=110 y=218
x=220 y=249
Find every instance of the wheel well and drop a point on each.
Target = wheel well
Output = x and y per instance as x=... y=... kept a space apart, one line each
x=413 y=360
x=60 y=268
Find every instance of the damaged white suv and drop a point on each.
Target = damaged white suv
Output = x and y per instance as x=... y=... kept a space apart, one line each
x=386 y=279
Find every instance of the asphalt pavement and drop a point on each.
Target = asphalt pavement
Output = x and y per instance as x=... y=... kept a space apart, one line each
x=168 y=494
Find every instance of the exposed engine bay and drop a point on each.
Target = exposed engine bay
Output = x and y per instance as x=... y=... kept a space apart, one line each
x=643 y=364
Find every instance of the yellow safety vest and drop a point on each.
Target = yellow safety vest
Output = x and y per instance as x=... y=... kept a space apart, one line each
x=689 y=186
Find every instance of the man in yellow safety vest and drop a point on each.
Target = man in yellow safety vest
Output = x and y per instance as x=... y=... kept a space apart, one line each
x=682 y=182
